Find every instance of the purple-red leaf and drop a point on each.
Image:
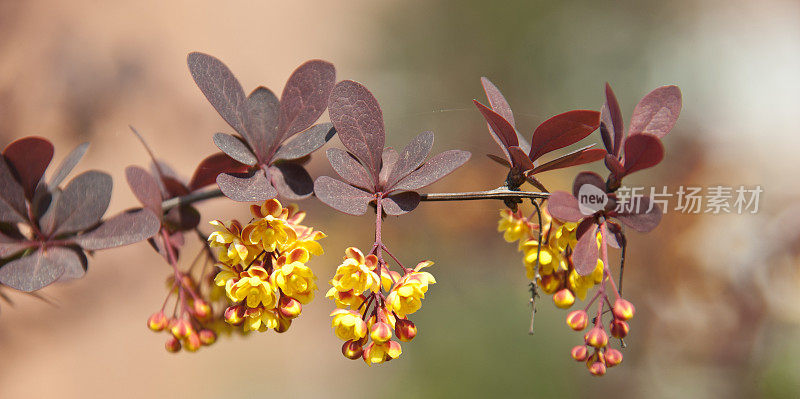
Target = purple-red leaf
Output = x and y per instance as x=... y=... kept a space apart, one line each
x=10 y=245
x=436 y=168
x=12 y=197
x=563 y=130
x=306 y=142
x=388 y=161
x=254 y=187
x=499 y=160
x=305 y=96
x=564 y=207
x=359 y=122
x=400 y=203
x=501 y=130
x=123 y=229
x=261 y=121
x=349 y=169
x=611 y=127
x=220 y=87
x=642 y=151
x=28 y=158
x=182 y=218
x=657 y=112
x=520 y=159
x=83 y=202
x=235 y=148
x=578 y=157
x=342 y=196
x=411 y=157
x=641 y=214
x=39 y=269
x=497 y=100
x=67 y=164
x=614 y=165
x=291 y=180
x=145 y=188
x=206 y=173
x=586 y=251
x=590 y=178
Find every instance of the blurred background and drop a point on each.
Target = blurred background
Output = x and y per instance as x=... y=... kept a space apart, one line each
x=717 y=295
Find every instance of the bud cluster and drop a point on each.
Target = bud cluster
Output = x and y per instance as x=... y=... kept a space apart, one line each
x=596 y=338
x=365 y=318
x=192 y=322
x=263 y=266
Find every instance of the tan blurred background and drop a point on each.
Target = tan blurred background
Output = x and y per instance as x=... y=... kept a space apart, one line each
x=717 y=296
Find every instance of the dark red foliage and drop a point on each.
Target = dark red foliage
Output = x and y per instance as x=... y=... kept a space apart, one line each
x=555 y=133
x=374 y=173
x=63 y=223
x=264 y=124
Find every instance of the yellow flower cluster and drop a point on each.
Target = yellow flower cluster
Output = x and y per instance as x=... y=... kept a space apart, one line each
x=263 y=266
x=357 y=285
x=556 y=274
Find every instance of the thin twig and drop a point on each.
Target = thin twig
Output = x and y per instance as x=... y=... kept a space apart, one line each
x=534 y=288
x=498 y=193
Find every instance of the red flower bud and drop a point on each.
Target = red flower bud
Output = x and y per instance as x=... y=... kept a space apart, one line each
x=182 y=329
x=564 y=298
x=157 y=321
x=405 y=330
x=580 y=353
x=283 y=325
x=597 y=369
x=619 y=328
x=380 y=332
x=577 y=320
x=172 y=345
x=596 y=337
x=623 y=309
x=192 y=342
x=549 y=283
x=613 y=357
x=207 y=337
x=202 y=310
x=234 y=315
x=289 y=307
x=352 y=350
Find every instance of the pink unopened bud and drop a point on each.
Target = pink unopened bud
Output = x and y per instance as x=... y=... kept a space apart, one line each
x=283 y=325
x=289 y=307
x=380 y=332
x=157 y=321
x=613 y=357
x=192 y=342
x=207 y=337
x=352 y=350
x=234 y=315
x=405 y=330
x=182 y=329
x=172 y=345
x=577 y=320
x=597 y=369
x=596 y=337
x=580 y=353
x=623 y=309
x=202 y=310
x=619 y=328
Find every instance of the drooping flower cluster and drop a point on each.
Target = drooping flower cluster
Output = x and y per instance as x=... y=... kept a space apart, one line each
x=263 y=266
x=556 y=275
x=364 y=312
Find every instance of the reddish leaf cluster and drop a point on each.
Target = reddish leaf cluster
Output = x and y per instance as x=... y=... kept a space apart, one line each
x=374 y=173
x=44 y=229
x=264 y=124
x=653 y=118
x=555 y=133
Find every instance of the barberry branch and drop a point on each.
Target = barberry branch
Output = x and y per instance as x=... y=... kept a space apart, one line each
x=498 y=193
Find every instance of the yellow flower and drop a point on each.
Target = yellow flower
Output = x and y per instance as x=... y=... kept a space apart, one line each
x=406 y=296
x=581 y=284
x=254 y=287
x=260 y=319
x=236 y=251
x=379 y=353
x=226 y=274
x=564 y=236
x=513 y=226
x=550 y=259
x=344 y=299
x=348 y=325
x=356 y=273
x=269 y=234
x=293 y=277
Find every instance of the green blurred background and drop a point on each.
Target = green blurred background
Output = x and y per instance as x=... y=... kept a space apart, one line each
x=717 y=295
